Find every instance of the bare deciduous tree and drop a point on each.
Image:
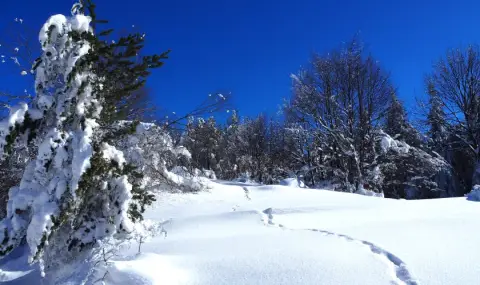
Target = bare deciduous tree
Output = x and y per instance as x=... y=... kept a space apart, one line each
x=456 y=82
x=342 y=98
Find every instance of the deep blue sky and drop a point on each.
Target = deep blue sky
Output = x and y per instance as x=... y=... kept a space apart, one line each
x=250 y=47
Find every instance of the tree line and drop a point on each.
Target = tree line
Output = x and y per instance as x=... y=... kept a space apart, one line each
x=343 y=112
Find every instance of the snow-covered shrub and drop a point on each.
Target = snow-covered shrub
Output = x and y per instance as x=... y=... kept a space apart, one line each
x=474 y=195
x=202 y=139
x=151 y=150
x=404 y=171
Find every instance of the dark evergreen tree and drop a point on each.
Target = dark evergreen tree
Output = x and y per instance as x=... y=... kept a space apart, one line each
x=228 y=162
x=436 y=120
x=397 y=124
x=404 y=171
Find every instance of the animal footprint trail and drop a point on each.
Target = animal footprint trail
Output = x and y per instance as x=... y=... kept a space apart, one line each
x=401 y=273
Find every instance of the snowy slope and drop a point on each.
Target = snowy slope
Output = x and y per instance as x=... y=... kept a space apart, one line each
x=285 y=235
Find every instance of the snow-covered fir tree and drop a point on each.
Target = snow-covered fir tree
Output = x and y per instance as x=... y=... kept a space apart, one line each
x=79 y=189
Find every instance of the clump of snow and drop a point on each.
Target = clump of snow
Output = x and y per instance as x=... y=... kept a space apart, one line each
x=57 y=22
x=111 y=153
x=61 y=24
x=16 y=116
x=387 y=143
x=474 y=195
x=182 y=151
x=81 y=23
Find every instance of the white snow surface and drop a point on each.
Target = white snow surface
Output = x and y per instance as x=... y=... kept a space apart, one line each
x=287 y=235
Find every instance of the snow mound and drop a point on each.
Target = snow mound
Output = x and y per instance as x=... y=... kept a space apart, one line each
x=474 y=195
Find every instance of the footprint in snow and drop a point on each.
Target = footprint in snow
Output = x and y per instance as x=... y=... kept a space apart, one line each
x=268 y=217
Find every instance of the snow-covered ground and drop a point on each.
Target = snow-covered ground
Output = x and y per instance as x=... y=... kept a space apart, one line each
x=286 y=235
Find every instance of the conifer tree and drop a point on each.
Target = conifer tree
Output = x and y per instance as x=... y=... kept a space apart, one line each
x=397 y=124
x=228 y=150
x=79 y=189
x=436 y=120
